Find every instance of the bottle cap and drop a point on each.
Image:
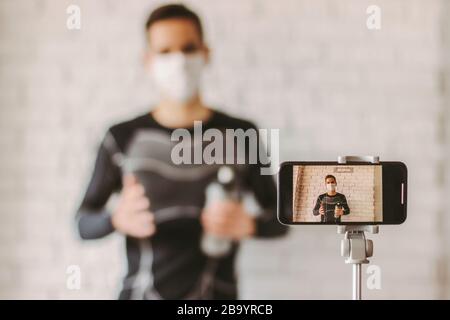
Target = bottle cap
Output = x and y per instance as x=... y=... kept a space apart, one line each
x=225 y=175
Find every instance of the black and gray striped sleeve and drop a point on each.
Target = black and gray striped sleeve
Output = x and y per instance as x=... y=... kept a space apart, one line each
x=93 y=219
x=264 y=189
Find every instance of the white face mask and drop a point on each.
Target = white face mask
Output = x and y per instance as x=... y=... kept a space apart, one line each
x=331 y=187
x=177 y=76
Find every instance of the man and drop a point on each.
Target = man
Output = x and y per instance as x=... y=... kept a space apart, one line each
x=331 y=206
x=160 y=210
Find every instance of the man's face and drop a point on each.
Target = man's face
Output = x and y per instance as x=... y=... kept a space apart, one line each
x=174 y=35
x=330 y=184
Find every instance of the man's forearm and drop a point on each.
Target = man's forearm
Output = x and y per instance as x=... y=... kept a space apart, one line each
x=316 y=209
x=94 y=225
x=346 y=209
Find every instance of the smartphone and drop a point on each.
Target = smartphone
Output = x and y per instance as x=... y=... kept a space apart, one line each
x=333 y=193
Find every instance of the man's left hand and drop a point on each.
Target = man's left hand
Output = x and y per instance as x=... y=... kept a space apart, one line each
x=228 y=219
x=338 y=212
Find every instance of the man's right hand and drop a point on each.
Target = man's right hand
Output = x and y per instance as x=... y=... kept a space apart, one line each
x=132 y=216
x=321 y=210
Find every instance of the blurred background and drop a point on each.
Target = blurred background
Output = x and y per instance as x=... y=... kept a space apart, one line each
x=310 y=68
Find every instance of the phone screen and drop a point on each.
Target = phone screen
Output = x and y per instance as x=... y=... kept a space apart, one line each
x=331 y=193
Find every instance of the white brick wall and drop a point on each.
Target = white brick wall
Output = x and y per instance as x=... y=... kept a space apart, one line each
x=310 y=68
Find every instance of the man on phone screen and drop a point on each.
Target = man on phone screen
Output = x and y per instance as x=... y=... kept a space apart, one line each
x=331 y=205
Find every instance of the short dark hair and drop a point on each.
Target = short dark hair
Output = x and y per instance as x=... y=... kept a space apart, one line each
x=174 y=11
x=330 y=176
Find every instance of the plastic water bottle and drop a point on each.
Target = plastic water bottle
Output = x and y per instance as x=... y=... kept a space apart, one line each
x=225 y=188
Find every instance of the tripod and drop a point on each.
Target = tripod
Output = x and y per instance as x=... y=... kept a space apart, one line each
x=355 y=247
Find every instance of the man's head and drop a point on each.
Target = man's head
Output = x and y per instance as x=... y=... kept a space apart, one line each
x=176 y=51
x=330 y=182
x=174 y=28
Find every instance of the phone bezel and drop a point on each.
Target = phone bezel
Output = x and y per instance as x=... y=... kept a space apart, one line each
x=391 y=171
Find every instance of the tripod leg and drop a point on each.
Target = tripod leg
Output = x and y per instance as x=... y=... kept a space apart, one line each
x=357 y=281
